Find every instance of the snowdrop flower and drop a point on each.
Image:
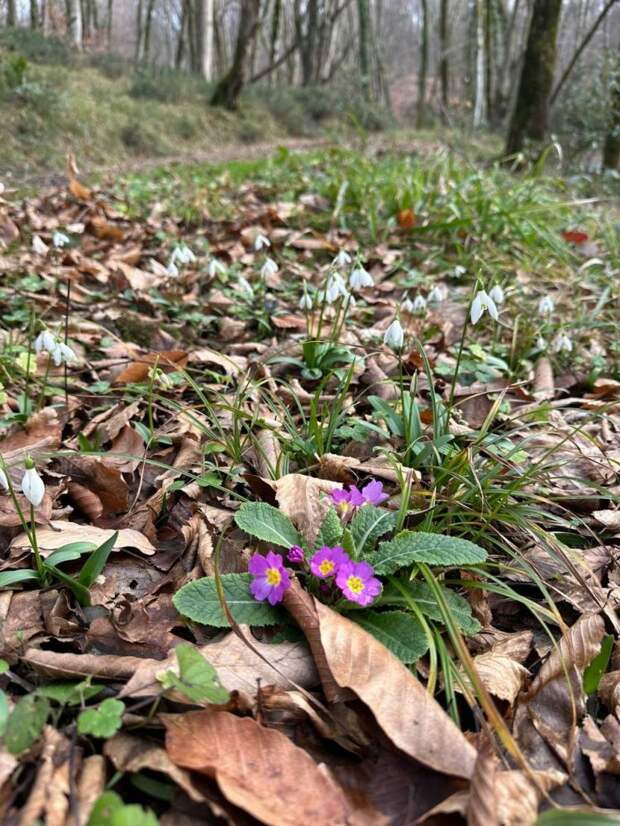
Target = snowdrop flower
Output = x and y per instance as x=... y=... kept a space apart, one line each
x=32 y=485
x=437 y=295
x=419 y=304
x=45 y=341
x=360 y=278
x=480 y=304
x=245 y=286
x=562 y=344
x=459 y=270
x=541 y=343
x=182 y=255
x=214 y=267
x=305 y=302
x=342 y=259
x=394 y=335
x=335 y=288
x=546 y=305
x=497 y=294
x=62 y=354
x=38 y=246
x=60 y=240
x=406 y=306
x=261 y=241
x=172 y=269
x=269 y=268
x=4 y=482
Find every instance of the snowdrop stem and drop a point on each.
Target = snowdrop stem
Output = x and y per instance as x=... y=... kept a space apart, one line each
x=34 y=543
x=67 y=312
x=28 y=361
x=317 y=334
x=458 y=363
x=41 y=402
x=340 y=319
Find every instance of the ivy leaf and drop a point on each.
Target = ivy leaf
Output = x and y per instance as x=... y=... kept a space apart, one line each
x=399 y=631
x=199 y=601
x=25 y=723
x=267 y=523
x=198 y=680
x=422 y=595
x=70 y=692
x=109 y=810
x=432 y=548
x=103 y=721
x=368 y=525
x=331 y=529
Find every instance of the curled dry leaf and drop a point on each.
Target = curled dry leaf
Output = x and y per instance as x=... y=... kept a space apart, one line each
x=132 y=754
x=91 y=784
x=609 y=691
x=500 y=675
x=404 y=710
x=482 y=803
x=303 y=499
x=238 y=667
x=62 y=533
x=544 y=383
x=546 y=717
x=60 y=664
x=258 y=769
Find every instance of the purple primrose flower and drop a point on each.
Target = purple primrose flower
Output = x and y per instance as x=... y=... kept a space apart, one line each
x=296 y=555
x=371 y=494
x=326 y=561
x=270 y=577
x=357 y=583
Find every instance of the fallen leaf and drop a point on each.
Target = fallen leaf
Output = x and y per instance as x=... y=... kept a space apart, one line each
x=62 y=533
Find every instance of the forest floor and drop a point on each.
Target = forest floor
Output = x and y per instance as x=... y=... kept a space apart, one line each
x=310 y=513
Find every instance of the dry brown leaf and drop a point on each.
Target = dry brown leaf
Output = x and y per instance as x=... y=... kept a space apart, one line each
x=257 y=769
x=482 y=804
x=500 y=675
x=85 y=501
x=544 y=383
x=132 y=754
x=305 y=501
x=91 y=784
x=62 y=533
x=60 y=664
x=609 y=691
x=165 y=360
x=238 y=667
x=608 y=518
x=412 y=719
x=104 y=230
x=48 y=793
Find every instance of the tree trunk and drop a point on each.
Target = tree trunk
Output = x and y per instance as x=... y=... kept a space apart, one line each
x=480 y=99
x=423 y=70
x=34 y=14
x=363 y=20
x=531 y=110
x=611 y=147
x=74 y=22
x=148 y=28
x=11 y=16
x=444 y=46
x=180 y=51
x=229 y=87
x=204 y=37
x=139 y=31
x=110 y=17
x=500 y=104
x=276 y=16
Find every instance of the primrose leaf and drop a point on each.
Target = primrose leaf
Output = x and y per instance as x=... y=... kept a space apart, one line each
x=199 y=601
x=267 y=523
x=432 y=548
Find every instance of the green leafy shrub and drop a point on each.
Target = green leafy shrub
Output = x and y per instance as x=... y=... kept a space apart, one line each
x=36 y=47
x=168 y=86
x=111 y=65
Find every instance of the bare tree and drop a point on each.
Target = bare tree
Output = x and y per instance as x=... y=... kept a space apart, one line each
x=423 y=70
x=11 y=16
x=480 y=97
x=444 y=46
x=204 y=37
x=611 y=147
x=229 y=87
x=531 y=111
x=74 y=22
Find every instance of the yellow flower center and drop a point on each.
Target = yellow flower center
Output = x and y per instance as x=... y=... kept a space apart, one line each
x=274 y=577
x=355 y=584
x=326 y=567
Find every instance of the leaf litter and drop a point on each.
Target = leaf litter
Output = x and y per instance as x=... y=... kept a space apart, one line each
x=289 y=567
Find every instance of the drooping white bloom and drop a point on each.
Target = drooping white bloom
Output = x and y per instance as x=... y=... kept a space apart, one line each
x=33 y=487
x=261 y=241
x=481 y=303
x=546 y=305
x=182 y=255
x=394 y=335
x=245 y=286
x=172 y=269
x=336 y=287
x=342 y=259
x=214 y=267
x=562 y=344
x=62 y=354
x=360 y=278
x=459 y=270
x=437 y=295
x=406 y=306
x=497 y=294
x=45 y=341
x=269 y=268
x=60 y=240
x=305 y=302
x=39 y=246
x=4 y=482
x=541 y=343
x=419 y=304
